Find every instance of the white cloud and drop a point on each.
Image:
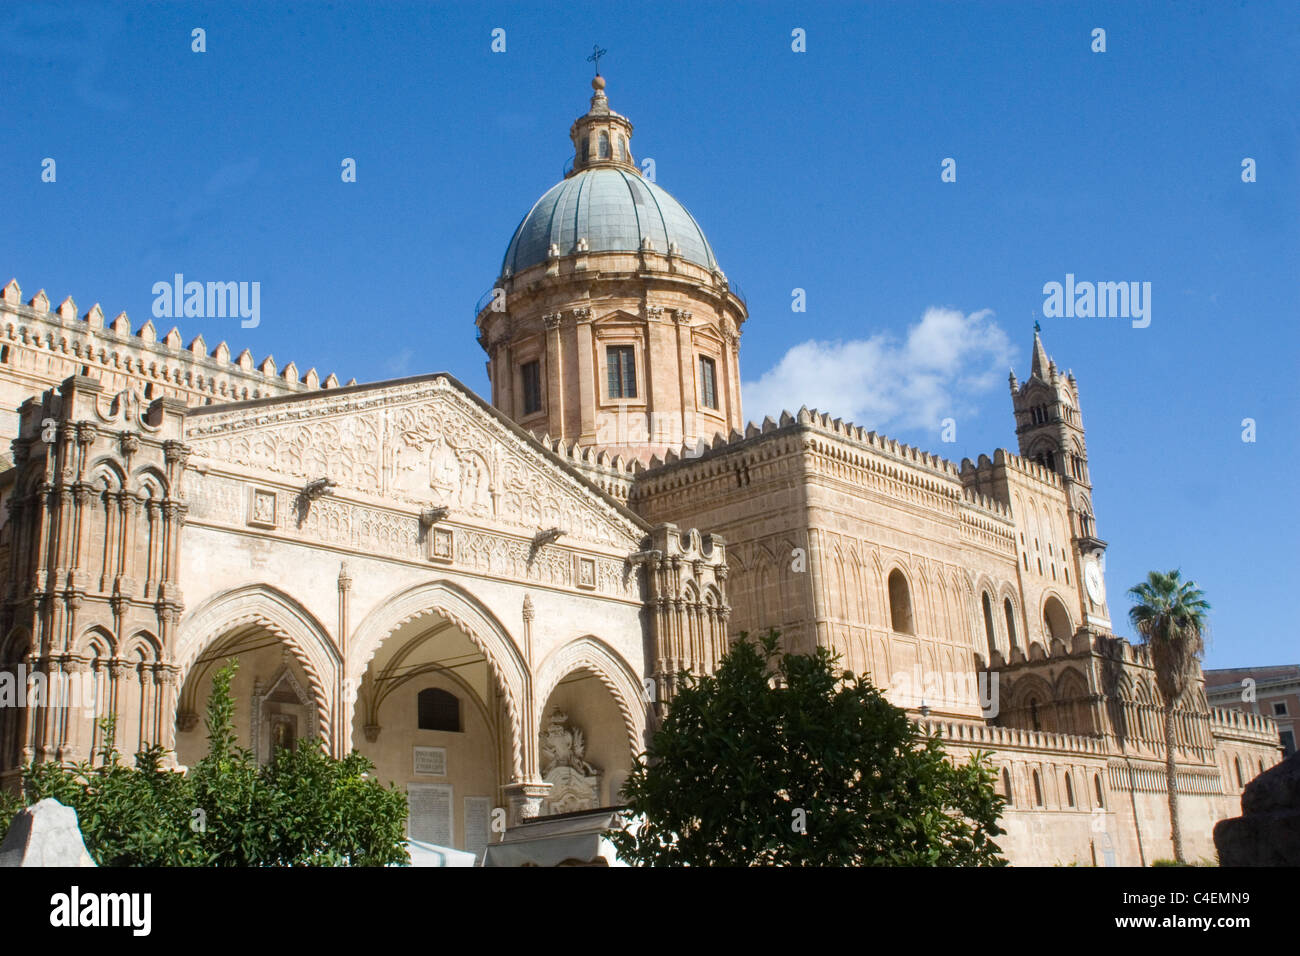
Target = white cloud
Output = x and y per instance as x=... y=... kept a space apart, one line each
x=881 y=383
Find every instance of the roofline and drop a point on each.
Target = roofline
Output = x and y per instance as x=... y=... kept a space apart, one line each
x=567 y=466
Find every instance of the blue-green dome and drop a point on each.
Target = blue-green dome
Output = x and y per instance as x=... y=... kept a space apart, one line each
x=614 y=210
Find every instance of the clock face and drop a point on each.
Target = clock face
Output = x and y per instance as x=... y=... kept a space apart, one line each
x=1092 y=578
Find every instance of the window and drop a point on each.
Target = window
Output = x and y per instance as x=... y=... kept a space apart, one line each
x=622 y=149
x=586 y=151
x=604 y=145
x=900 y=603
x=1011 y=621
x=1038 y=790
x=1033 y=713
x=1069 y=789
x=1279 y=708
x=1006 y=787
x=708 y=382
x=1288 y=742
x=1096 y=783
x=620 y=366
x=532 y=380
x=988 y=626
x=1237 y=760
x=438 y=710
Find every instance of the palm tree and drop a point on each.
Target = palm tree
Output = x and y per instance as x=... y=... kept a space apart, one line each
x=1170 y=615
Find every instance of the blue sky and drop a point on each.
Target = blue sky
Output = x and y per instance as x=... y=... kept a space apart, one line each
x=816 y=170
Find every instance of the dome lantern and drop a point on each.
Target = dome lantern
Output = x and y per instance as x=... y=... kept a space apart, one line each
x=601 y=137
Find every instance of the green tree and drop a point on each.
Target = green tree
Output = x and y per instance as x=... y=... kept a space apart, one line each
x=781 y=759
x=1170 y=616
x=305 y=809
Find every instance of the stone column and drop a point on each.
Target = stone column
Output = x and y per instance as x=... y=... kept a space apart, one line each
x=524 y=801
x=588 y=387
x=686 y=375
x=555 y=418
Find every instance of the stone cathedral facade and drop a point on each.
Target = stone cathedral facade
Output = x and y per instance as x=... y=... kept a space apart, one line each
x=493 y=601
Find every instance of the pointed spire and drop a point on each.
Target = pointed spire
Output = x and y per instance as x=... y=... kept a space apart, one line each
x=1041 y=361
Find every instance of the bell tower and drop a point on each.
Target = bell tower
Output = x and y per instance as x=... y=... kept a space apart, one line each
x=610 y=324
x=1049 y=429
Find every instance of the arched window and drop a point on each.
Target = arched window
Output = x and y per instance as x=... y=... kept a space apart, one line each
x=438 y=710
x=900 y=603
x=1069 y=789
x=1056 y=622
x=1240 y=782
x=1033 y=712
x=586 y=150
x=1038 y=790
x=1011 y=621
x=622 y=149
x=1096 y=782
x=1006 y=787
x=604 y=145
x=988 y=626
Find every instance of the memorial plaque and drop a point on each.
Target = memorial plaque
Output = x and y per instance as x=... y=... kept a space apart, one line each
x=431 y=761
x=429 y=806
x=478 y=817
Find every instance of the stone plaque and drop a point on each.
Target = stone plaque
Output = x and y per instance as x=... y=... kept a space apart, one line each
x=441 y=544
x=261 y=508
x=429 y=806
x=431 y=761
x=478 y=817
x=586 y=573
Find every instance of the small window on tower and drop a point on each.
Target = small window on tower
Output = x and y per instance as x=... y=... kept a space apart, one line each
x=531 y=372
x=604 y=145
x=620 y=368
x=708 y=382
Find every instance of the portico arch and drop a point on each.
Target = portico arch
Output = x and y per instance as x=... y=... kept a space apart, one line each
x=505 y=662
x=610 y=669
x=232 y=616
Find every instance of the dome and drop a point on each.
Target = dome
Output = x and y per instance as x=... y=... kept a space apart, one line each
x=614 y=209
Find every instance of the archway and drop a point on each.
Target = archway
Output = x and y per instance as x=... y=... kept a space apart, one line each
x=1056 y=622
x=586 y=743
x=277 y=701
x=429 y=715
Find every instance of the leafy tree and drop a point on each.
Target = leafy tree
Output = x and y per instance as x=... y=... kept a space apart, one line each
x=1170 y=615
x=781 y=759
x=304 y=809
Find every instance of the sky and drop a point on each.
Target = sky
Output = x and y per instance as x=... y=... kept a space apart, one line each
x=821 y=170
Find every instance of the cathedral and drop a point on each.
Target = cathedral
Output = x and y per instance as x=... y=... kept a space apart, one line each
x=493 y=600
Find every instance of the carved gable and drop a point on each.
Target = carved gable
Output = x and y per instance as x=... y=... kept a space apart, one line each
x=426 y=443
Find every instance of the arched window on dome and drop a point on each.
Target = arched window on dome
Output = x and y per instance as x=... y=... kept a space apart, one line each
x=586 y=150
x=603 y=148
x=622 y=148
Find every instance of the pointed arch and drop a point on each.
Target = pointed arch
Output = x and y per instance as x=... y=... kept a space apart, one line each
x=445 y=599
x=592 y=654
x=288 y=620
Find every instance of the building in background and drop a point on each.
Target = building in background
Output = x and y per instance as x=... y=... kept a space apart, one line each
x=1271 y=691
